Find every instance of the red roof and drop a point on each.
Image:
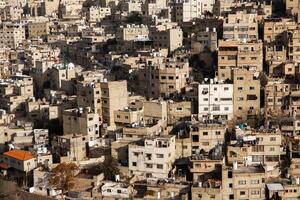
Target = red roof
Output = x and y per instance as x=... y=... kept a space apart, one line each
x=19 y=154
x=4 y=165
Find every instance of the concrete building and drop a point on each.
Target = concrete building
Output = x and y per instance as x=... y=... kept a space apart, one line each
x=117 y=190
x=11 y=35
x=236 y=54
x=95 y=14
x=243 y=182
x=152 y=157
x=70 y=148
x=38 y=29
x=207 y=135
x=240 y=26
x=164 y=79
x=246 y=90
x=132 y=32
x=185 y=11
x=23 y=161
x=81 y=121
x=14 y=92
x=215 y=100
x=257 y=147
x=171 y=38
x=103 y=98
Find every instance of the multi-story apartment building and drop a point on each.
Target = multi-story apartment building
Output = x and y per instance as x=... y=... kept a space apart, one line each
x=38 y=29
x=169 y=38
x=246 y=90
x=294 y=46
x=277 y=91
x=14 y=92
x=95 y=14
x=215 y=100
x=165 y=78
x=241 y=26
x=185 y=11
x=81 y=121
x=11 y=35
x=237 y=54
x=68 y=148
x=255 y=147
x=152 y=157
x=207 y=135
x=205 y=40
x=275 y=30
x=132 y=32
x=104 y=98
x=243 y=182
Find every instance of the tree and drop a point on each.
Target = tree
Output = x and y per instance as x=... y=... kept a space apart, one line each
x=62 y=176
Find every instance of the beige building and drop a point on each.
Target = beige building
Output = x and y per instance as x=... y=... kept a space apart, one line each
x=20 y=160
x=164 y=79
x=104 y=98
x=81 y=121
x=246 y=90
x=237 y=54
x=207 y=135
x=11 y=35
x=49 y=7
x=243 y=182
x=258 y=147
x=179 y=111
x=70 y=147
x=14 y=92
x=95 y=14
x=152 y=157
x=132 y=32
x=38 y=29
x=170 y=38
x=294 y=46
x=10 y=13
x=240 y=26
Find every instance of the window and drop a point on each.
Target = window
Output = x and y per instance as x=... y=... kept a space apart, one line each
x=226 y=88
x=159 y=166
x=258 y=148
x=256 y=181
x=272 y=149
x=159 y=155
x=240 y=78
x=254 y=192
x=134 y=164
x=119 y=191
x=240 y=88
x=218 y=133
x=242 y=182
x=148 y=165
x=272 y=138
x=251 y=88
x=108 y=190
x=195 y=138
x=242 y=193
x=205 y=133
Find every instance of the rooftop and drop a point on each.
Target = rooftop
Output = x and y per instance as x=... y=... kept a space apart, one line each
x=19 y=154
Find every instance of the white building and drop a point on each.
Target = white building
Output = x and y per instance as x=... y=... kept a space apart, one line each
x=152 y=157
x=116 y=190
x=215 y=100
x=187 y=10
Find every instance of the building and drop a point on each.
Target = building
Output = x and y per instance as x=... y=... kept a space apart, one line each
x=215 y=100
x=81 y=121
x=11 y=35
x=116 y=190
x=165 y=79
x=243 y=182
x=240 y=26
x=185 y=11
x=152 y=157
x=132 y=32
x=205 y=136
x=23 y=161
x=237 y=54
x=246 y=102
x=95 y=14
x=170 y=38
